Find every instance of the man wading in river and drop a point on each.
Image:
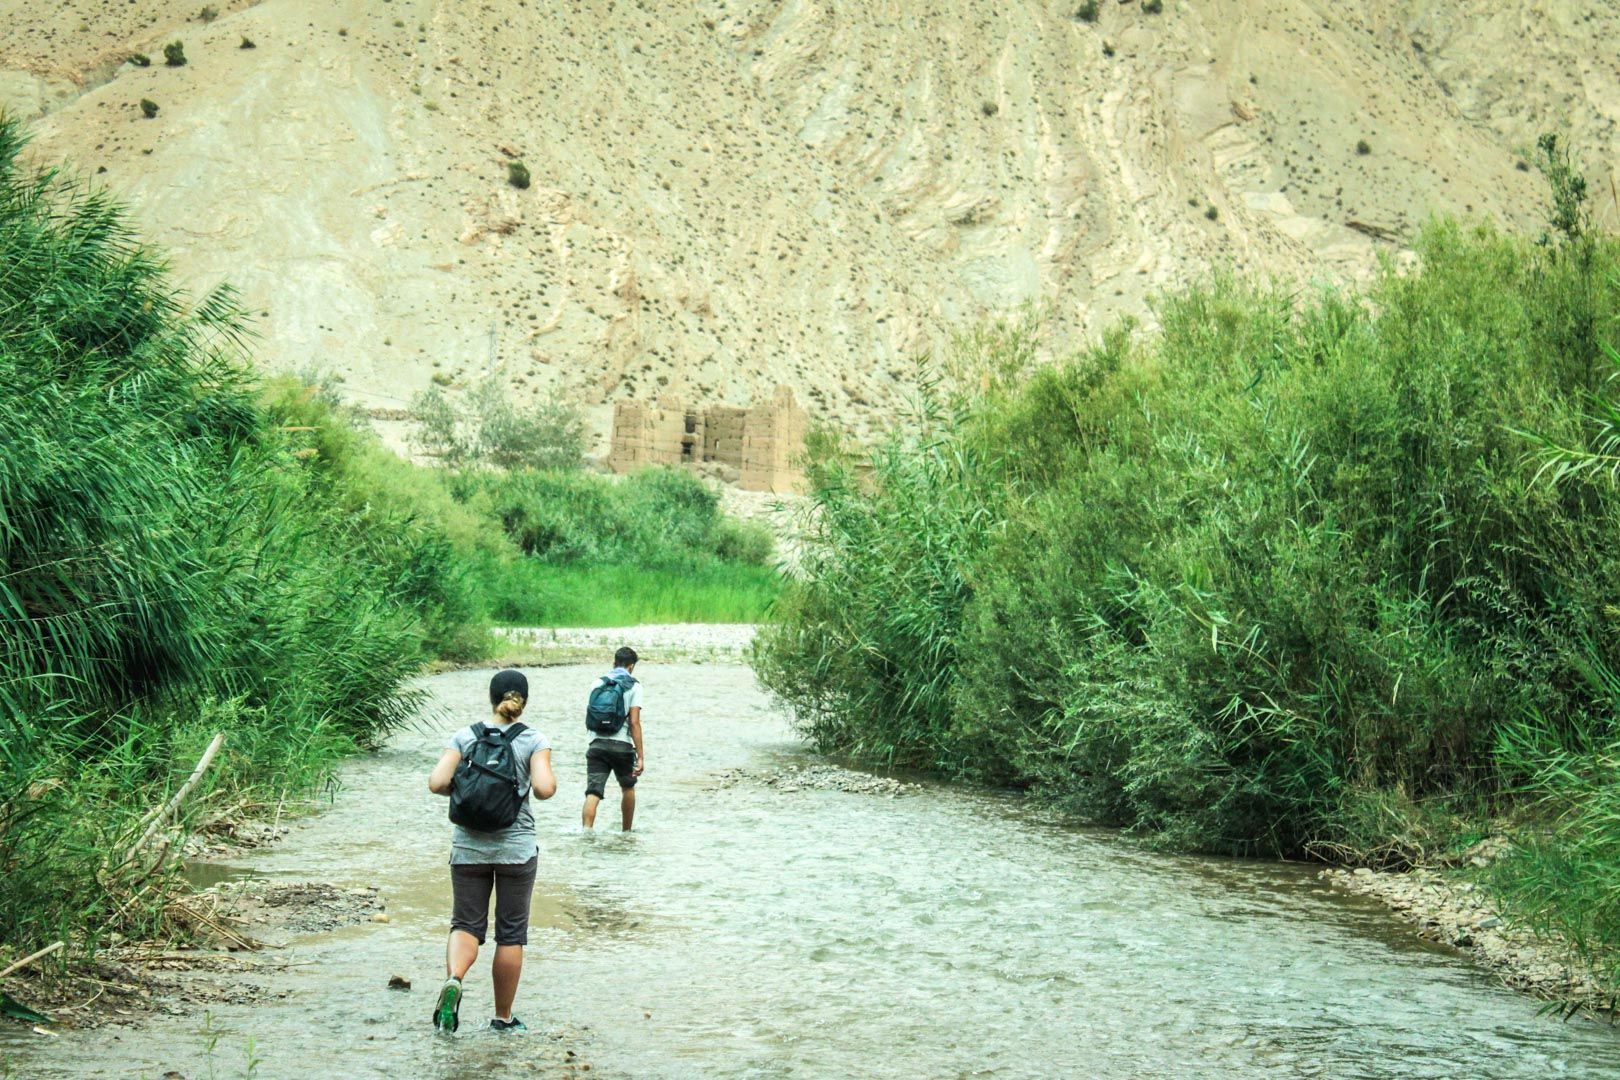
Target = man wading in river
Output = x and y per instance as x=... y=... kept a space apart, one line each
x=489 y=770
x=613 y=716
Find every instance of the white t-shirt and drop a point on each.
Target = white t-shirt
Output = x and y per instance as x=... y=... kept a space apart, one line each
x=632 y=700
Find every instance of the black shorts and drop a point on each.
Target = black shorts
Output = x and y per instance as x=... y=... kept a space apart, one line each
x=470 y=884
x=605 y=756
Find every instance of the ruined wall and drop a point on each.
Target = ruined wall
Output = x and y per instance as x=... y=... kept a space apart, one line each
x=723 y=434
x=761 y=444
x=645 y=435
x=773 y=440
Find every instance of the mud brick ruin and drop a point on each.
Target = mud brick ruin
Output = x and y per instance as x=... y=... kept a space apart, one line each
x=758 y=447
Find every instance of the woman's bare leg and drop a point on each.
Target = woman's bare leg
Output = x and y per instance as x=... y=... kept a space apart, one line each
x=508 y=968
x=460 y=953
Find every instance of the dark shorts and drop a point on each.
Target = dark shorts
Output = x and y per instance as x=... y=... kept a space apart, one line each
x=470 y=885
x=605 y=756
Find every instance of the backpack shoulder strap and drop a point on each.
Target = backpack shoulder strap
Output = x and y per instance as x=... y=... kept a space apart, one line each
x=513 y=732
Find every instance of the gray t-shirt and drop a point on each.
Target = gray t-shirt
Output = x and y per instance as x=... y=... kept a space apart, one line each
x=632 y=700
x=515 y=843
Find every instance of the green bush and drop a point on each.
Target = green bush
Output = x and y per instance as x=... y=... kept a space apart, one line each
x=184 y=550
x=174 y=54
x=172 y=562
x=1087 y=12
x=1252 y=584
x=517 y=174
x=664 y=518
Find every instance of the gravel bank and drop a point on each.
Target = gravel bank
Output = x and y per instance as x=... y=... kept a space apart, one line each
x=1463 y=915
x=816 y=778
x=656 y=643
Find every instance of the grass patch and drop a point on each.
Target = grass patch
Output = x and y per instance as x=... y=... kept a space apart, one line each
x=533 y=593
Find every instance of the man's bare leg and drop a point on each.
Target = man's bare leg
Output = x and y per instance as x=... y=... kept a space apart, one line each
x=627 y=807
x=460 y=953
x=588 y=816
x=508 y=967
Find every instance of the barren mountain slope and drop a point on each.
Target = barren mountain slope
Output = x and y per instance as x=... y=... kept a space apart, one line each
x=728 y=195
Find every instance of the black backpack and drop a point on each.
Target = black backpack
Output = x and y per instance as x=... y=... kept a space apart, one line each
x=605 y=713
x=487 y=791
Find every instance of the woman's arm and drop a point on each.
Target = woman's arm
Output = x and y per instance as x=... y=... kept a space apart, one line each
x=445 y=771
x=541 y=780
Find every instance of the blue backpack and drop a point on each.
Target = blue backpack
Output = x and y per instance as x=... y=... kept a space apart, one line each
x=605 y=712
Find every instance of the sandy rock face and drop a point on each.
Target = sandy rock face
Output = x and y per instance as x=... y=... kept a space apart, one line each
x=728 y=196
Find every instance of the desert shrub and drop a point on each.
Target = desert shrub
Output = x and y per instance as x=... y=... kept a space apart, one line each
x=1363 y=147
x=1087 y=12
x=517 y=174
x=149 y=108
x=550 y=435
x=140 y=60
x=174 y=54
x=438 y=427
x=491 y=428
x=1152 y=7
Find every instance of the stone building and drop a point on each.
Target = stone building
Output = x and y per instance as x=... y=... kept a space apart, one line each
x=761 y=446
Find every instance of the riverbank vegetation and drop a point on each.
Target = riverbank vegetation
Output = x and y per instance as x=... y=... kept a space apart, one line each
x=185 y=550
x=1302 y=572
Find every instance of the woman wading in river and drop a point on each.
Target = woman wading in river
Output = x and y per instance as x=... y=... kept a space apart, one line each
x=489 y=770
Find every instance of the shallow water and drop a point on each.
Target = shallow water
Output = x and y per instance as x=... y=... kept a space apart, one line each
x=750 y=932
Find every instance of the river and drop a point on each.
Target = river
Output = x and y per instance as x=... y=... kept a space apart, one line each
x=746 y=931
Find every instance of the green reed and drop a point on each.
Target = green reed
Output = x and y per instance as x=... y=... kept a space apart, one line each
x=1274 y=578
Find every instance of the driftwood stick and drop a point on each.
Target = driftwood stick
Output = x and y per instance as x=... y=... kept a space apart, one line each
x=31 y=957
x=174 y=803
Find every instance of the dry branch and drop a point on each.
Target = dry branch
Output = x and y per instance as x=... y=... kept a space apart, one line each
x=31 y=957
x=174 y=803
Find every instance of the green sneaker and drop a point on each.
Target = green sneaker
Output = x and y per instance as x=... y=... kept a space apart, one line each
x=513 y=1026
x=447 y=1013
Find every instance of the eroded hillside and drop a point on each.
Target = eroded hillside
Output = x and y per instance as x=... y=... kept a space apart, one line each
x=730 y=195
